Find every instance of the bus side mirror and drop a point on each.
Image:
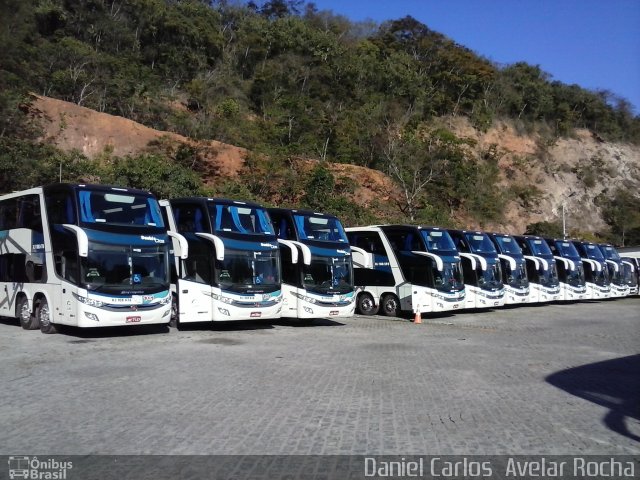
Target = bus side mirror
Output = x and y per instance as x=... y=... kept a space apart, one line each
x=81 y=237
x=180 y=245
x=361 y=258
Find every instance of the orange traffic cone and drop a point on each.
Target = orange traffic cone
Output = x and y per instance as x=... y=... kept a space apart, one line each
x=418 y=317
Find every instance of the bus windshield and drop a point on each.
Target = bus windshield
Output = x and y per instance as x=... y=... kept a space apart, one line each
x=629 y=275
x=600 y=277
x=240 y=219
x=328 y=274
x=539 y=247
x=115 y=207
x=439 y=242
x=517 y=277
x=508 y=245
x=549 y=277
x=450 y=279
x=480 y=243
x=248 y=271
x=120 y=270
x=491 y=277
x=610 y=253
x=575 y=277
x=326 y=229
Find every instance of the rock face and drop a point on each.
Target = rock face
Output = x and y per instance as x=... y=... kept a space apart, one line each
x=573 y=170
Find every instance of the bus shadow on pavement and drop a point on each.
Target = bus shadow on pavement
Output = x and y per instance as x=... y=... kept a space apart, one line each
x=231 y=326
x=613 y=384
x=10 y=321
x=110 y=332
x=306 y=323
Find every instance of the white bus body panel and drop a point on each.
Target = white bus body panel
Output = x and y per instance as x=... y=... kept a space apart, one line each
x=516 y=296
x=479 y=298
x=300 y=303
x=137 y=310
x=542 y=294
x=569 y=293
x=598 y=292
x=618 y=291
x=426 y=300
x=95 y=311
x=199 y=302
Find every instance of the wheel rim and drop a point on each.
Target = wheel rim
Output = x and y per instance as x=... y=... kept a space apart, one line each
x=43 y=315
x=391 y=305
x=366 y=304
x=25 y=314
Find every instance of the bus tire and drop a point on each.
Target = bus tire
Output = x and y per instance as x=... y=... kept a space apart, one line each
x=27 y=320
x=174 y=322
x=43 y=315
x=366 y=305
x=390 y=305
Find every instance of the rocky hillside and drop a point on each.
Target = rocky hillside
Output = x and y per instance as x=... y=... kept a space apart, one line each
x=573 y=170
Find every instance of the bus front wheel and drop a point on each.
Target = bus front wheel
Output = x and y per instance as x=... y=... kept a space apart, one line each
x=27 y=321
x=366 y=304
x=390 y=305
x=43 y=315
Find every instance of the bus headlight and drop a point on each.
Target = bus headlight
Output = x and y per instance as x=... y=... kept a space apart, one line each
x=222 y=299
x=89 y=301
x=304 y=298
x=91 y=316
x=166 y=300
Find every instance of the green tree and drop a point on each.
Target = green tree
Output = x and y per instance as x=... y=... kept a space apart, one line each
x=622 y=214
x=154 y=173
x=544 y=229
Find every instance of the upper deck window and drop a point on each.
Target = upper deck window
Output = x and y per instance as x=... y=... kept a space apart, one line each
x=594 y=252
x=567 y=249
x=119 y=208
x=480 y=243
x=610 y=253
x=540 y=247
x=241 y=219
x=508 y=245
x=438 y=241
x=326 y=229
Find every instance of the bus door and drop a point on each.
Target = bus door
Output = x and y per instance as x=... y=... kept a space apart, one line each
x=195 y=295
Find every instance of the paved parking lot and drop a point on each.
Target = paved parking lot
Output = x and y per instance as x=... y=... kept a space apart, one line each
x=529 y=380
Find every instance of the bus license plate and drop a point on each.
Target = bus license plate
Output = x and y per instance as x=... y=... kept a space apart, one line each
x=255 y=314
x=333 y=312
x=134 y=319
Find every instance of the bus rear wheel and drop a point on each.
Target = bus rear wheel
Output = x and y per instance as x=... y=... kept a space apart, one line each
x=27 y=321
x=43 y=315
x=390 y=305
x=366 y=305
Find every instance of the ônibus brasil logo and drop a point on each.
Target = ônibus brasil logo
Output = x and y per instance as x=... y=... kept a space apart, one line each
x=35 y=469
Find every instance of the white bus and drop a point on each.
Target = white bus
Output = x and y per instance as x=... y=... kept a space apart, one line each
x=481 y=269
x=83 y=255
x=573 y=285
x=317 y=270
x=596 y=272
x=631 y=270
x=514 y=269
x=230 y=268
x=619 y=286
x=541 y=269
x=410 y=268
